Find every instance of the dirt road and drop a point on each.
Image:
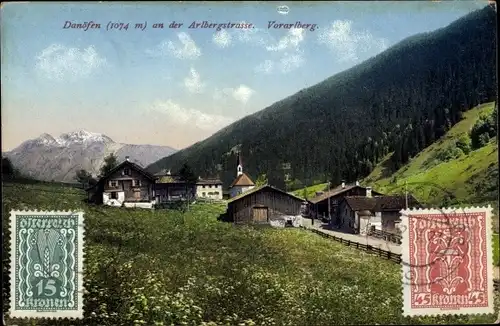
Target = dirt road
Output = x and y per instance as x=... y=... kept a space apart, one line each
x=366 y=240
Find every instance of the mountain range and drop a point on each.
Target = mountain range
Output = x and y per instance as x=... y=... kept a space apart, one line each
x=49 y=158
x=398 y=103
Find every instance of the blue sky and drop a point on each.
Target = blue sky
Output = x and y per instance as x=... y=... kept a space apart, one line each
x=178 y=86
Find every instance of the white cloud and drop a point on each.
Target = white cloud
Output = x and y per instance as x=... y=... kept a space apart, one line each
x=190 y=117
x=59 y=62
x=193 y=82
x=222 y=38
x=290 y=41
x=287 y=53
x=241 y=93
x=265 y=67
x=185 y=48
x=349 y=45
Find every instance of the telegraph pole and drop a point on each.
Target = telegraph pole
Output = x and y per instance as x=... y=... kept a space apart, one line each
x=329 y=206
x=286 y=167
x=406 y=194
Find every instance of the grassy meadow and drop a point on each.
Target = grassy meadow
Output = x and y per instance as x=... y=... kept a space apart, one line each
x=166 y=267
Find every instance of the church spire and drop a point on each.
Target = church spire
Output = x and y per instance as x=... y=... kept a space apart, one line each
x=239 y=165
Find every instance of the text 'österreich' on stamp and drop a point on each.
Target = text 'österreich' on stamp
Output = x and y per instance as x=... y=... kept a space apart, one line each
x=447 y=259
x=46 y=271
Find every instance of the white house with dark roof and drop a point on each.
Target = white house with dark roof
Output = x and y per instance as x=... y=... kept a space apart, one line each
x=209 y=189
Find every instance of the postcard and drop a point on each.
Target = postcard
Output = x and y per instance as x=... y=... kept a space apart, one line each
x=250 y=163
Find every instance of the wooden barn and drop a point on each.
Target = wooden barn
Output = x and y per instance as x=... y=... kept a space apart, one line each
x=262 y=205
x=327 y=204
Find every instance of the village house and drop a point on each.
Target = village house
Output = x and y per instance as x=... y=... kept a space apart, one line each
x=209 y=189
x=127 y=185
x=242 y=182
x=360 y=214
x=263 y=205
x=170 y=188
x=326 y=204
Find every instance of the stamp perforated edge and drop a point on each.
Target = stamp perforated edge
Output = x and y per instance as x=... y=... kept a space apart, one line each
x=78 y=314
x=407 y=311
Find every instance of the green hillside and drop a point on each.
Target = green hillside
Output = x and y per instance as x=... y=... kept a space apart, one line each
x=309 y=192
x=442 y=175
x=399 y=101
x=165 y=267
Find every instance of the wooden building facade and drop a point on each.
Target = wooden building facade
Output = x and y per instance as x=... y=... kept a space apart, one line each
x=327 y=204
x=126 y=183
x=262 y=205
x=359 y=214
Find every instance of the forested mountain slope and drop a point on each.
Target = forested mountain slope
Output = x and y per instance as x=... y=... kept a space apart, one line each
x=399 y=101
x=459 y=168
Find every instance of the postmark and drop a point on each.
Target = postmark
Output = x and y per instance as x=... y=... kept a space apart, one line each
x=46 y=257
x=447 y=259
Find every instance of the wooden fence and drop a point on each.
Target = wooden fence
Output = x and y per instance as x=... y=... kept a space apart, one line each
x=377 y=251
x=388 y=236
x=368 y=248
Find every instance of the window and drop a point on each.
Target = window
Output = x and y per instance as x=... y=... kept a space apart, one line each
x=210 y=186
x=136 y=183
x=216 y=193
x=126 y=171
x=114 y=195
x=204 y=194
x=203 y=186
x=113 y=184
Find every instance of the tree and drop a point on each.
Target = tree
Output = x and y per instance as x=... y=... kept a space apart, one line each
x=85 y=178
x=187 y=175
x=110 y=162
x=7 y=167
x=261 y=180
x=483 y=130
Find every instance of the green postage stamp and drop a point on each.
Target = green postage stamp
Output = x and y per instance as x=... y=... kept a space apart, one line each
x=46 y=271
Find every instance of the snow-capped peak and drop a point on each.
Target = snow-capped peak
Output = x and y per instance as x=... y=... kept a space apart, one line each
x=42 y=141
x=45 y=139
x=82 y=136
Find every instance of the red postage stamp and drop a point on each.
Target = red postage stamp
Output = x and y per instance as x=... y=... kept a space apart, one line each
x=447 y=258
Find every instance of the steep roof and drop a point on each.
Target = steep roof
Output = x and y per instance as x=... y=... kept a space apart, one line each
x=242 y=180
x=336 y=191
x=359 y=203
x=380 y=203
x=396 y=203
x=259 y=188
x=131 y=165
x=209 y=182
x=134 y=166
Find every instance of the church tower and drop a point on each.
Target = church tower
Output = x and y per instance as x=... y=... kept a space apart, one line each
x=242 y=182
x=239 y=169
